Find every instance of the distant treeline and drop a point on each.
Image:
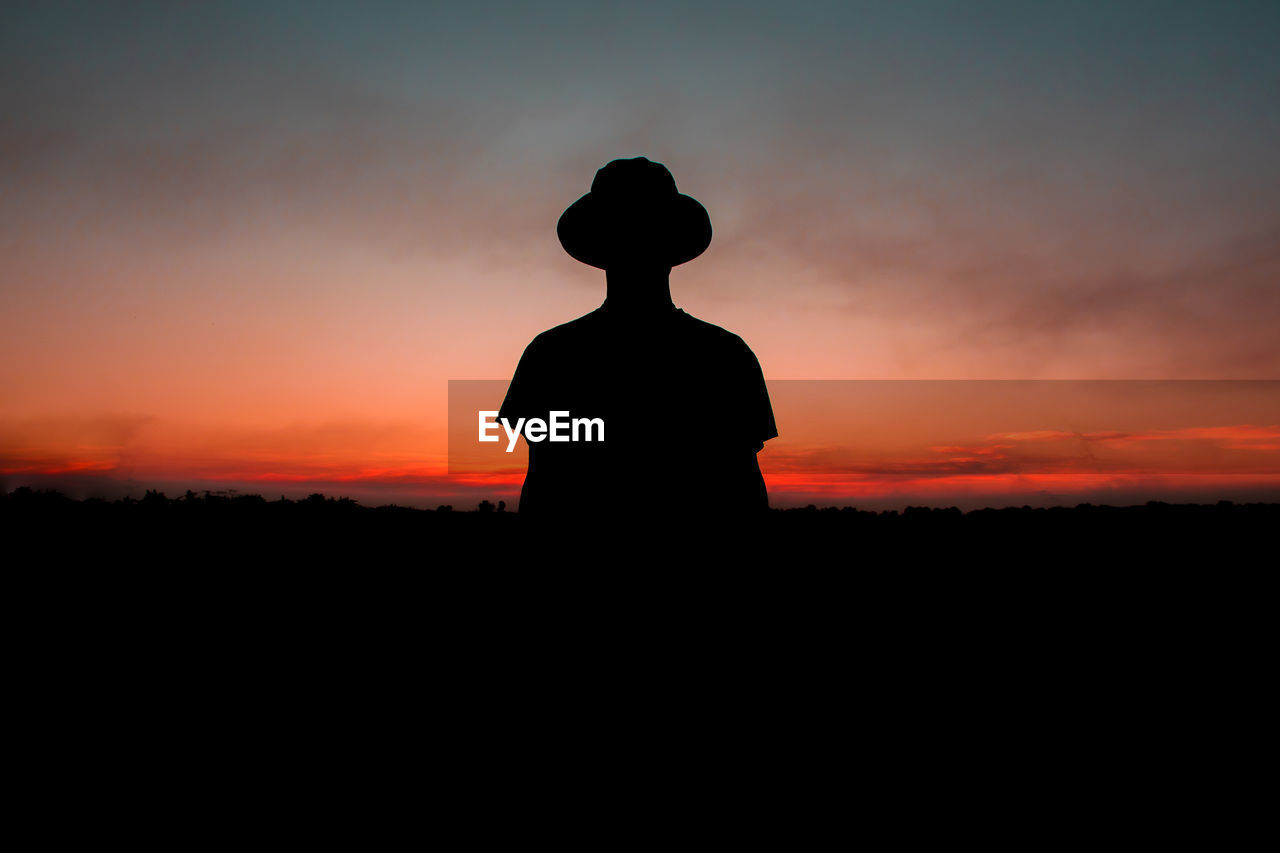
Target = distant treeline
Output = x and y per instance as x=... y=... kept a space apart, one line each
x=27 y=500
x=196 y=523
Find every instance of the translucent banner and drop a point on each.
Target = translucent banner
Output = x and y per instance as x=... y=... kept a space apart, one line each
x=965 y=442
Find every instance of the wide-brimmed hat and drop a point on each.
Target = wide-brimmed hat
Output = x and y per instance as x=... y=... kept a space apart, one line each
x=634 y=210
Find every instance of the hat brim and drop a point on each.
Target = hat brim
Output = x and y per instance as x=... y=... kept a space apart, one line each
x=678 y=232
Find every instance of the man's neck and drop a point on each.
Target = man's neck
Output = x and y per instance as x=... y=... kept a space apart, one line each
x=639 y=291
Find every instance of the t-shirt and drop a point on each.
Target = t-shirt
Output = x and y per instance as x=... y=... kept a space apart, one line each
x=683 y=404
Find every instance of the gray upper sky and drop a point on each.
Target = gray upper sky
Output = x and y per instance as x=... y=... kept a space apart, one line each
x=1012 y=180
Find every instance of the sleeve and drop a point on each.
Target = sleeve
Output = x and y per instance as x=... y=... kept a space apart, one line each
x=757 y=411
x=522 y=391
x=762 y=421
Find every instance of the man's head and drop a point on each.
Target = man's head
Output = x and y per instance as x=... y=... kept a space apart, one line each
x=634 y=217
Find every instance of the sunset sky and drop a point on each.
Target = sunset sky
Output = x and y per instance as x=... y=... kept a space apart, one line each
x=247 y=245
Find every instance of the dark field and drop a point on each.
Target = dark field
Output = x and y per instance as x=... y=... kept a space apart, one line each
x=1006 y=642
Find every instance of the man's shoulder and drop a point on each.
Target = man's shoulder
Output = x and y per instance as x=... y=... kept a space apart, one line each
x=703 y=327
x=587 y=323
x=712 y=334
x=564 y=336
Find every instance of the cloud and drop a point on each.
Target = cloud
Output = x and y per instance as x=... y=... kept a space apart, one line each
x=1239 y=449
x=67 y=444
x=131 y=445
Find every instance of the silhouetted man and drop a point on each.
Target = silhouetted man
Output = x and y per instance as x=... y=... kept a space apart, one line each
x=683 y=403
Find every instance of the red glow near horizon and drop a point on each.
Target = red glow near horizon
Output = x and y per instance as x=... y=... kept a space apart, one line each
x=1002 y=467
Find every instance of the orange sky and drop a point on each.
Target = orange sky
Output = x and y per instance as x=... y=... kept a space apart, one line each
x=249 y=247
